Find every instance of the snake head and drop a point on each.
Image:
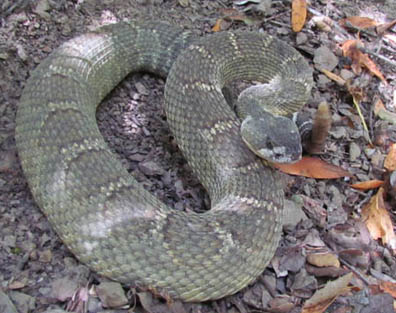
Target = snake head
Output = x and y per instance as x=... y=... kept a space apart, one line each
x=273 y=138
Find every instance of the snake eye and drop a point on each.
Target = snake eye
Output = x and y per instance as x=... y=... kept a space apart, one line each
x=269 y=145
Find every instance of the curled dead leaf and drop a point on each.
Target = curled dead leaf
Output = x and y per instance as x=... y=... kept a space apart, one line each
x=378 y=221
x=326 y=296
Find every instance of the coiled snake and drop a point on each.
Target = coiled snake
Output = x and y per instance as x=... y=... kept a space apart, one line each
x=102 y=214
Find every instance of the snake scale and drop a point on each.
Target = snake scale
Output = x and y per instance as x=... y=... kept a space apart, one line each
x=102 y=214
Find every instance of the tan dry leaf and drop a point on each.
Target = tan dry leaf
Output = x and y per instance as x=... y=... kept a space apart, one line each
x=378 y=221
x=367 y=185
x=358 y=21
x=325 y=296
x=323 y=259
x=390 y=161
x=299 y=14
x=314 y=168
x=339 y=80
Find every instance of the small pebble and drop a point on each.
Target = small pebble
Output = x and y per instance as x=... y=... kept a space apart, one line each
x=354 y=151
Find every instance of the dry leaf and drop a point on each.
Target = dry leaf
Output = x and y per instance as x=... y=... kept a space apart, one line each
x=314 y=168
x=217 y=27
x=388 y=287
x=299 y=14
x=378 y=106
x=383 y=113
x=360 y=59
x=358 y=22
x=339 y=80
x=369 y=184
x=323 y=259
x=382 y=28
x=378 y=221
x=390 y=161
x=325 y=296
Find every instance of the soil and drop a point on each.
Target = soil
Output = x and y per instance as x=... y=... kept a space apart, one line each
x=38 y=273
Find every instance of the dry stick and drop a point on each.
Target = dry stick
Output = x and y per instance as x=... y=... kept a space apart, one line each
x=355 y=271
x=379 y=56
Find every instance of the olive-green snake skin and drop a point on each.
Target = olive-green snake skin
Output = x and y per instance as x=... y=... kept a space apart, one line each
x=102 y=214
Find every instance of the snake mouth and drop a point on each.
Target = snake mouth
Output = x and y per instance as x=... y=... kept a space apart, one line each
x=278 y=155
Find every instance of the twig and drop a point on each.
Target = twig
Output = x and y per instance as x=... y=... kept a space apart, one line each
x=355 y=271
x=379 y=56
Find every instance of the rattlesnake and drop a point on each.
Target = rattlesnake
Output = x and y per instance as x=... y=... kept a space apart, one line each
x=100 y=211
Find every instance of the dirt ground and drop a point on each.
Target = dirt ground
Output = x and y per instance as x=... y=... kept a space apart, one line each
x=39 y=274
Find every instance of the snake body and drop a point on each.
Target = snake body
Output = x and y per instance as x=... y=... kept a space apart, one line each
x=102 y=214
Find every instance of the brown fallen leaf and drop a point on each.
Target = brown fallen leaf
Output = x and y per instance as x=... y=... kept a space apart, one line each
x=355 y=257
x=299 y=14
x=360 y=22
x=367 y=185
x=390 y=160
x=314 y=168
x=322 y=298
x=360 y=59
x=378 y=221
